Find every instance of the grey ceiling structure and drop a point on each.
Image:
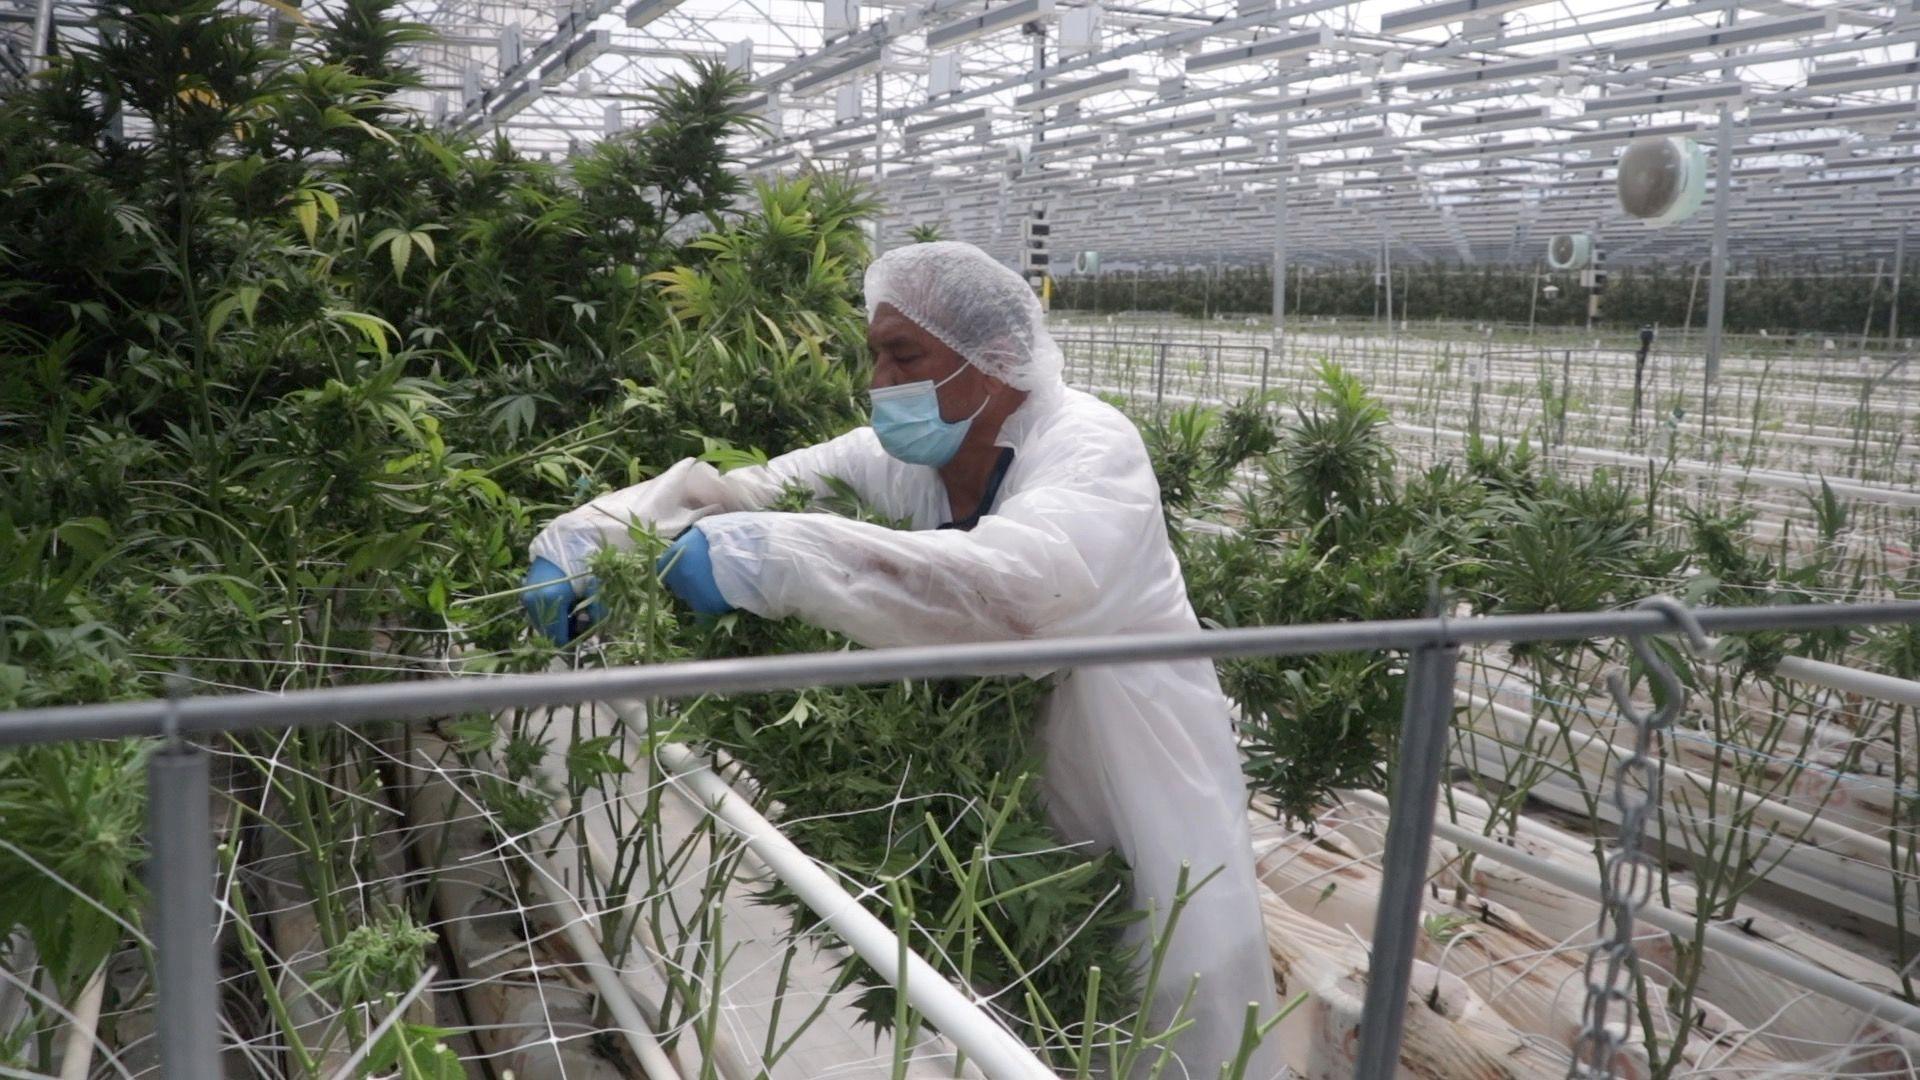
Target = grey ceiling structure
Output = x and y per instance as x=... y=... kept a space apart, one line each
x=1162 y=132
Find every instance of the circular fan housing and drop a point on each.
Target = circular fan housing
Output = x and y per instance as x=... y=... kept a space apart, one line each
x=1570 y=251
x=1087 y=262
x=1662 y=180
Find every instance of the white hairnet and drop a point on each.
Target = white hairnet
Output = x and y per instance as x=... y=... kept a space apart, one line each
x=977 y=307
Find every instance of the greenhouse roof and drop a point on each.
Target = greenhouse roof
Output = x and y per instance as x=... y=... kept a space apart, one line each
x=1163 y=131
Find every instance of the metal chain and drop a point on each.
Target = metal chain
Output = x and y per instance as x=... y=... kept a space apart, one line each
x=1628 y=880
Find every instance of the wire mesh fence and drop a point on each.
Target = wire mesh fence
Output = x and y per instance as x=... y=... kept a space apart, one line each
x=607 y=909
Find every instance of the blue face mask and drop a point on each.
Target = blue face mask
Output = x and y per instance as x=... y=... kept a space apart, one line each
x=907 y=419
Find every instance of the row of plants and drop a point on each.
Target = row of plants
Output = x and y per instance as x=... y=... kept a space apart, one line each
x=1327 y=526
x=1775 y=299
x=292 y=378
x=1324 y=523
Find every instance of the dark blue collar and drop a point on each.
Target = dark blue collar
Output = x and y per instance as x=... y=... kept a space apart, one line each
x=987 y=497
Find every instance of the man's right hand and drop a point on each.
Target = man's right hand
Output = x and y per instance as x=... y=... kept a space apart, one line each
x=550 y=600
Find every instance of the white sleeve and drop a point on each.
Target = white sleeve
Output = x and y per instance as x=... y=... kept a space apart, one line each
x=1043 y=556
x=855 y=458
x=692 y=490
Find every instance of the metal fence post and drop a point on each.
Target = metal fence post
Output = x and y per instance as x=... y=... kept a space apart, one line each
x=180 y=877
x=1424 y=726
x=1160 y=377
x=1266 y=361
x=1566 y=394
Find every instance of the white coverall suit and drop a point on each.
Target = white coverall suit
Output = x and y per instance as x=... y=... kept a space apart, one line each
x=1138 y=757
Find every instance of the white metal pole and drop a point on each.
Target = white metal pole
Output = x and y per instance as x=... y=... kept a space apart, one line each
x=1533 y=303
x=1893 y=308
x=1849 y=680
x=1386 y=263
x=42 y=38
x=1876 y=1003
x=956 y=1015
x=1722 y=203
x=613 y=993
x=879 y=163
x=1279 y=353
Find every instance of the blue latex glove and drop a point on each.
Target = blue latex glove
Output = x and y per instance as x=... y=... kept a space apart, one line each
x=549 y=601
x=687 y=569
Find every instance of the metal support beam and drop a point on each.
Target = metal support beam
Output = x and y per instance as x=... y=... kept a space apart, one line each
x=180 y=877
x=1279 y=258
x=1424 y=727
x=1893 y=306
x=879 y=161
x=1717 y=279
x=42 y=38
x=1722 y=204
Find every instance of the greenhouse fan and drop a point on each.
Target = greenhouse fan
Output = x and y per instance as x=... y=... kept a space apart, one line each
x=1570 y=251
x=1662 y=180
x=1086 y=262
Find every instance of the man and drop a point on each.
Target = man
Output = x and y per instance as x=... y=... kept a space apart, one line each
x=1034 y=513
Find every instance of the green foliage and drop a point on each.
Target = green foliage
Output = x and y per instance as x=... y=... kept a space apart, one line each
x=1570 y=546
x=1327 y=533
x=1326 y=719
x=290 y=381
x=1335 y=466
x=1178 y=447
x=376 y=959
x=931 y=786
x=1807 y=295
x=752 y=354
x=415 y=1052
x=1195 y=449
x=71 y=851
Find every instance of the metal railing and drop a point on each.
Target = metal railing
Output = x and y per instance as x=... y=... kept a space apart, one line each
x=182 y=865
x=1212 y=375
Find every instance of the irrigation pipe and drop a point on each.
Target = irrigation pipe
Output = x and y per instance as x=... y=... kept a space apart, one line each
x=958 y=1017
x=1796 y=871
x=613 y=991
x=1830 y=836
x=1849 y=680
x=1887 y=496
x=77 y=1059
x=1877 y=1004
x=727 y=1058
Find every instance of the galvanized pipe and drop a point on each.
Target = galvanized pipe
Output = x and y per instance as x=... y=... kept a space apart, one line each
x=440 y=697
x=180 y=877
x=42 y=38
x=1722 y=205
x=1426 y=724
x=1279 y=258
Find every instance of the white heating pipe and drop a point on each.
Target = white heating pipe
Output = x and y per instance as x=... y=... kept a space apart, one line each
x=1875 y=1003
x=961 y=1019
x=613 y=992
x=1851 y=680
x=1770 y=477
x=77 y=1060
x=609 y=987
